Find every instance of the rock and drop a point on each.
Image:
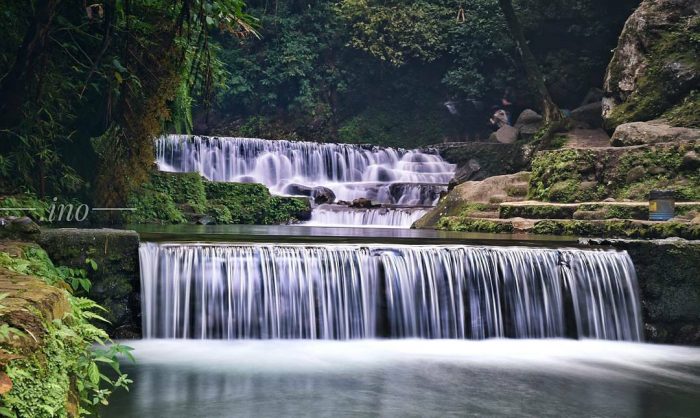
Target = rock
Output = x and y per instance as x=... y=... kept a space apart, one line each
x=246 y=179
x=589 y=215
x=528 y=124
x=18 y=227
x=527 y=117
x=691 y=161
x=610 y=199
x=22 y=225
x=647 y=64
x=590 y=115
x=641 y=133
x=669 y=286
x=506 y=134
x=635 y=174
x=322 y=195
x=116 y=281
x=466 y=172
x=363 y=203
x=319 y=194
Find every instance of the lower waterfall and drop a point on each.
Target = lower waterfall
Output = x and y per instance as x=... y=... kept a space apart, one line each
x=334 y=215
x=245 y=291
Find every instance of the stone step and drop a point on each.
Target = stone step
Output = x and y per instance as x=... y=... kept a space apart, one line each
x=602 y=228
x=586 y=210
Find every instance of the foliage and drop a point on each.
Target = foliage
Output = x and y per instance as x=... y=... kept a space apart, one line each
x=381 y=71
x=26 y=200
x=74 y=355
x=85 y=94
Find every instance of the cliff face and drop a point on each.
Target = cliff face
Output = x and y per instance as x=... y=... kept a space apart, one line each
x=655 y=70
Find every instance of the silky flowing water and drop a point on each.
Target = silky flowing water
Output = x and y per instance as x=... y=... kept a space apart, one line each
x=365 y=291
x=409 y=378
x=400 y=180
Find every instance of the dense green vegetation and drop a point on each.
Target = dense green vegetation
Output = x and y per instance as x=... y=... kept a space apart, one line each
x=65 y=375
x=86 y=89
x=172 y=198
x=380 y=71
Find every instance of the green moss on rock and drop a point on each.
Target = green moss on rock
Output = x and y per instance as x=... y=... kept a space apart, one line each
x=466 y=224
x=584 y=175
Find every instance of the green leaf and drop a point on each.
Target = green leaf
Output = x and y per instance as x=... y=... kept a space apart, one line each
x=94 y=373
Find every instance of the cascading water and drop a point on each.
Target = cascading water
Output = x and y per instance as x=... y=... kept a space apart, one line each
x=384 y=175
x=363 y=291
x=333 y=215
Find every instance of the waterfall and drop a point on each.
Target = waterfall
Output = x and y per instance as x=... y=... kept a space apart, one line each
x=333 y=215
x=237 y=291
x=384 y=175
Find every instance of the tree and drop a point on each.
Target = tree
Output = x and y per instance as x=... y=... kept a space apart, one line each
x=550 y=111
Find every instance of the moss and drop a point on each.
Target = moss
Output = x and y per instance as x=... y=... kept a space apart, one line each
x=470 y=209
x=152 y=206
x=253 y=204
x=183 y=188
x=581 y=175
x=465 y=224
x=617 y=229
x=658 y=89
x=536 y=211
x=686 y=113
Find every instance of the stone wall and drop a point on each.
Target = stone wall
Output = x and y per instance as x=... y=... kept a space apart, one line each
x=115 y=283
x=669 y=281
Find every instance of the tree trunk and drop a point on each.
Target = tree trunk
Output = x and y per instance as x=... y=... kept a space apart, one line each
x=13 y=87
x=550 y=111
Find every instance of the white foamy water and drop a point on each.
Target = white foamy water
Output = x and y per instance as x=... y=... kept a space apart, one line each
x=384 y=175
x=269 y=291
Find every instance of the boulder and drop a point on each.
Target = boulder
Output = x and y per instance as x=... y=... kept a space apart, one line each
x=528 y=124
x=322 y=195
x=466 y=172
x=527 y=117
x=654 y=66
x=641 y=133
x=505 y=134
x=318 y=194
x=590 y=115
x=363 y=203
x=18 y=227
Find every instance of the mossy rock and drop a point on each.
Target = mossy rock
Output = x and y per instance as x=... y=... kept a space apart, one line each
x=617 y=228
x=584 y=175
x=466 y=224
x=250 y=203
x=183 y=188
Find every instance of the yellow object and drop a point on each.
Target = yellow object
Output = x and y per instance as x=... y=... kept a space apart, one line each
x=652 y=206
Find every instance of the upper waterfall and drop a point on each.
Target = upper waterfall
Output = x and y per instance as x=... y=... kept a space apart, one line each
x=350 y=171
x=364 y=291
